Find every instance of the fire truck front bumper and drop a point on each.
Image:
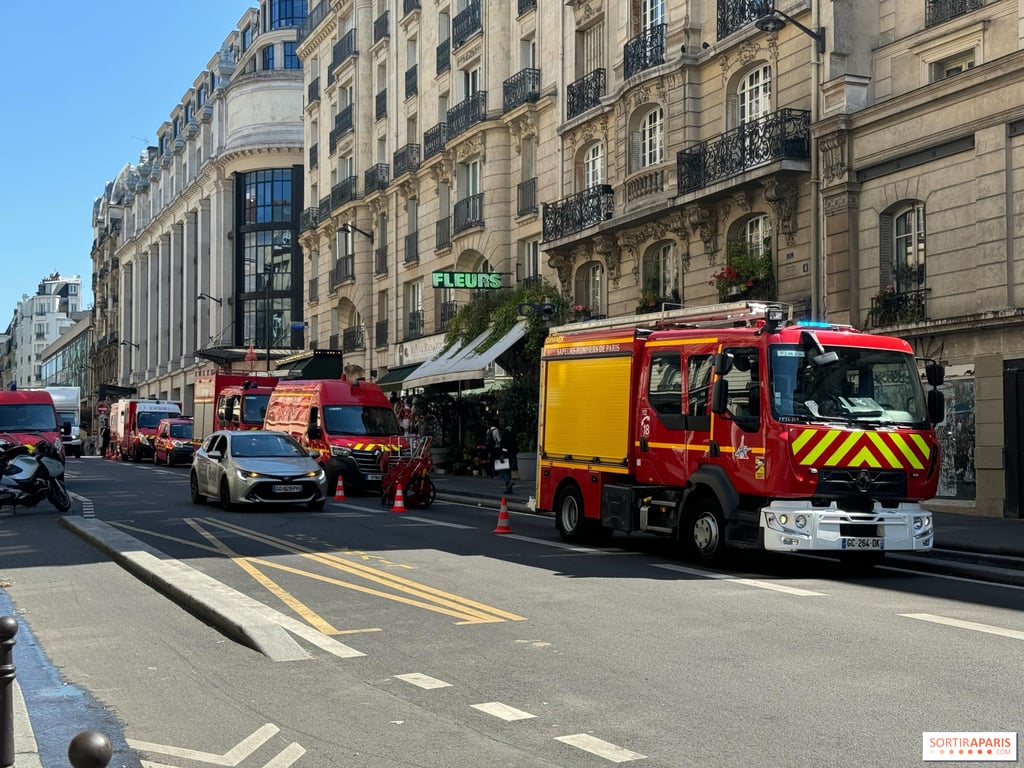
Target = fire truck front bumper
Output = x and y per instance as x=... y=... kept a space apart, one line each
x=795 y=526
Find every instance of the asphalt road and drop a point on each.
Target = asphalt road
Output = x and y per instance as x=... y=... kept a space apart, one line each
x=472 y=649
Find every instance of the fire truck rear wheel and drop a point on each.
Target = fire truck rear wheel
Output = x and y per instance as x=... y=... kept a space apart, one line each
x=702 y=531
x=569 y=515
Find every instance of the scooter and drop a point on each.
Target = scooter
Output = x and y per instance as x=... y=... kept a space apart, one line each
x=31 y=473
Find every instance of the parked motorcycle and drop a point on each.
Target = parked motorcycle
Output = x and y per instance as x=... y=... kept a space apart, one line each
x=31 y=473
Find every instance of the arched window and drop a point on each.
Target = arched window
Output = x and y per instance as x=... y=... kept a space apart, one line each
x=593 y=165
x=908 y=249
x=652 y=129
x=660 y=275
x=757 y=234
x=754 y=95
x=589 y=288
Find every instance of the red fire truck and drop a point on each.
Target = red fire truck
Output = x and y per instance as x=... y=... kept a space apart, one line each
x=230 y=401
x=729 y=426
x=133 y=425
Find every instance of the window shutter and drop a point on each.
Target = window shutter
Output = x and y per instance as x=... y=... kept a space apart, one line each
x=936 y=72
x=635 y=16
x=732 y=111
x=885 y=267
x=635 y=159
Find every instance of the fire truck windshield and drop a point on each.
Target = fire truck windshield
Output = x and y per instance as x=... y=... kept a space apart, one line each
x=370 y=421
x=254 y=408
x=865 y=386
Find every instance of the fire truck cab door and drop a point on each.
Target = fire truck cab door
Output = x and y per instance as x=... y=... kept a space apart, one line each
x=738 y=428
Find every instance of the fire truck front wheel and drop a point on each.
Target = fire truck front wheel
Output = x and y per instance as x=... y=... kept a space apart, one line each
x=702 y=531
x=569 y=515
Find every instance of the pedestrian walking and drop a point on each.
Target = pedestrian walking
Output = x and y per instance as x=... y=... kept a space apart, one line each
x=499 y=455
x=104 y=440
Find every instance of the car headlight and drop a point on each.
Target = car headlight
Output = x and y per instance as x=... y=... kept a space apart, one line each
x=341 y=450
x=801 y=521
x=246 y=476
x=316 y=474
x=922 y=523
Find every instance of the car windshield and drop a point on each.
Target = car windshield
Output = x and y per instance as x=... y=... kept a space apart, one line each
x=246 y=445
x=878 y=386
x=71 y=417
x=254 y=408
x=28 y=417
x=181 y=430
x=372 y=421
x=151 y=419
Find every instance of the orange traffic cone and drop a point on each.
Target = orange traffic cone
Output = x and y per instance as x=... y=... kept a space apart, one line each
x=339 y=492
x=399 y=505
x=503 y=526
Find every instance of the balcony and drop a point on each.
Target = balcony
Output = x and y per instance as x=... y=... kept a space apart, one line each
x=939 y=11
x=380 y=334
x=447 y=311
x=578 y=212
x=782 y=135
x=585 y=93
x=443 y=57
x=343 y=192
x=313 y=19
x=644 y=51
x=526 y=197
x=467 y=113
x=411 y=81
x=526 y=5
x=406 y=160
x=314 y=289
x=343 y=124
x=324 y=208
x=412 y=248
x=414 y=324
x=522 y=87
x=313 y=93
x=333 y=341
x=466 y=24
x=352 y=340
x=469 y=212
x=897 y=308
x=380 y=28
x=408 y=6
x=380 y=104
x=380 y=261
x=434 y=140
x=343 y=49
x=314 y=156
x=309 y=219
x=376 y=178
x=443 y=233
x=733 y=15
x=343 y=271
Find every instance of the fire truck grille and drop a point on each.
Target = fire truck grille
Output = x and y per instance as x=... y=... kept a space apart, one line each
x=367 y=461
x=863 y=483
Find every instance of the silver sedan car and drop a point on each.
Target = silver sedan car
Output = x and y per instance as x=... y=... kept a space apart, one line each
x=256 y=467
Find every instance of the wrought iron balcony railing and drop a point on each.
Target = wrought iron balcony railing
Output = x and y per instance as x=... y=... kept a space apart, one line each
x=526 y=5
x=443 y=57
x=644 y=51
x=380 y=28
x=469 y=212
x=781 y=135
x=412 y=247
x=380 y=261
x=313 y=93
x=411 y=81
x=352 y=339
x=343 y=192
x=446 y=312
x=733 y=15
x=526 y=197
x=380 y=334
x=375 y=178
x=407 y=159
x=898 y=308
x=343 y=120
x=324 y=209
x=408 y=6
x=334 y=341
x=414 y=324
x=343 y=270
x=343 y=49
x=313 y=19
x=522 y=87
x=939 y=11
x=309 y=219
x=585 y=93
x=381 y=104
x=314 y=155
x=577 y=212
x=443 y=233
x=467 y=113
x=434 y=140
x=466 y=24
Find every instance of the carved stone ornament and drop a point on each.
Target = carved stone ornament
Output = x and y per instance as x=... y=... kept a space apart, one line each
x=409 y=189
x=471 y=148
x=840 y=203
x=441 y=171
x=833 y=160
x=522 y=128
x=562 y=261
x=595 y=129
x=637 y=96
x=749 y=49
x=584 y=10
x=376 y=206
x=705 y=226
x=606 y=247
x=782 y=197
x=741 y=201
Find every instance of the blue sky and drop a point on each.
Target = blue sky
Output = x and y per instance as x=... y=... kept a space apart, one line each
x=87 y=86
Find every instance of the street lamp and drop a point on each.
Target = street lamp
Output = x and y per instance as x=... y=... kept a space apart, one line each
x=202 y=296
x=129 y=344
x=268 y=278
x=771 y=22
x=354 y=228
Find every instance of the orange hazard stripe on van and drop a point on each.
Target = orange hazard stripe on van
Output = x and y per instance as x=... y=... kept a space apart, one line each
x=879 y=450
x=373 y=446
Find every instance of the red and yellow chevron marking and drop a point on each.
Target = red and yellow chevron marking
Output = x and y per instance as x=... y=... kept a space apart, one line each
x=839 y=448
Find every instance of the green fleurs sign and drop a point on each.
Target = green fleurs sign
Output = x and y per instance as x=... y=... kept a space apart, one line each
x=476 y=280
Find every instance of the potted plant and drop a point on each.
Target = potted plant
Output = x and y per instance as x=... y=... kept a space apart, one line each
x=745 y=275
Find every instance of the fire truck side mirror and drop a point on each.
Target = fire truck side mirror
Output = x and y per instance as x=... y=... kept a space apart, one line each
x=723 y=363
x=720 y=396
x=935 y=373
x=936 y=406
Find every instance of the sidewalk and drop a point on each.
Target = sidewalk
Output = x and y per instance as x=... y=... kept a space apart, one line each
x=965 y=532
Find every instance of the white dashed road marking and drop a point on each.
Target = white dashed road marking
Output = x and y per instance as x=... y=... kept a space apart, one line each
x=746 y=582
x=986 y=628
x=438 y=522
x=503 y=711
x=423 y=681
x=600 y=748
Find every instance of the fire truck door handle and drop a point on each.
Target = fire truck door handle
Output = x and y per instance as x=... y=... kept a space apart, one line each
x=713 y=449
x=643 y=445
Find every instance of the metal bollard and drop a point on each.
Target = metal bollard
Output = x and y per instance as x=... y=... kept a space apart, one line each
x=90 y=749
x=8 y=629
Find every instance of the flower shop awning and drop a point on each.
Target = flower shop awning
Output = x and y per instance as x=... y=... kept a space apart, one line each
x=466 y=362
x=395 y=377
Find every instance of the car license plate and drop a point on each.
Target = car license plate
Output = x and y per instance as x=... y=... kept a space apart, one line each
x=287 y=488
x=373 y=477
x=862 y=544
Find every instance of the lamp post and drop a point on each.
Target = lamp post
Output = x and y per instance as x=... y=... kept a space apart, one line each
x=268 y=278
x=773 y=21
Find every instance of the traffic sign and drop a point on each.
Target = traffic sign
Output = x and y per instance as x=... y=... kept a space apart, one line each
x=101 y=408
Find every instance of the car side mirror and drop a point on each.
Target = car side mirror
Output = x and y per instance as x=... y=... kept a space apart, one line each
x=313 y=454
x=314 y=433
x=215 y=455
x=66 y=428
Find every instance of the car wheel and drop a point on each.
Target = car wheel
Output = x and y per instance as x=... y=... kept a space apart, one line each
x=225 y=496
x=193 y=489
x=569 y=519
x=701 y=531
